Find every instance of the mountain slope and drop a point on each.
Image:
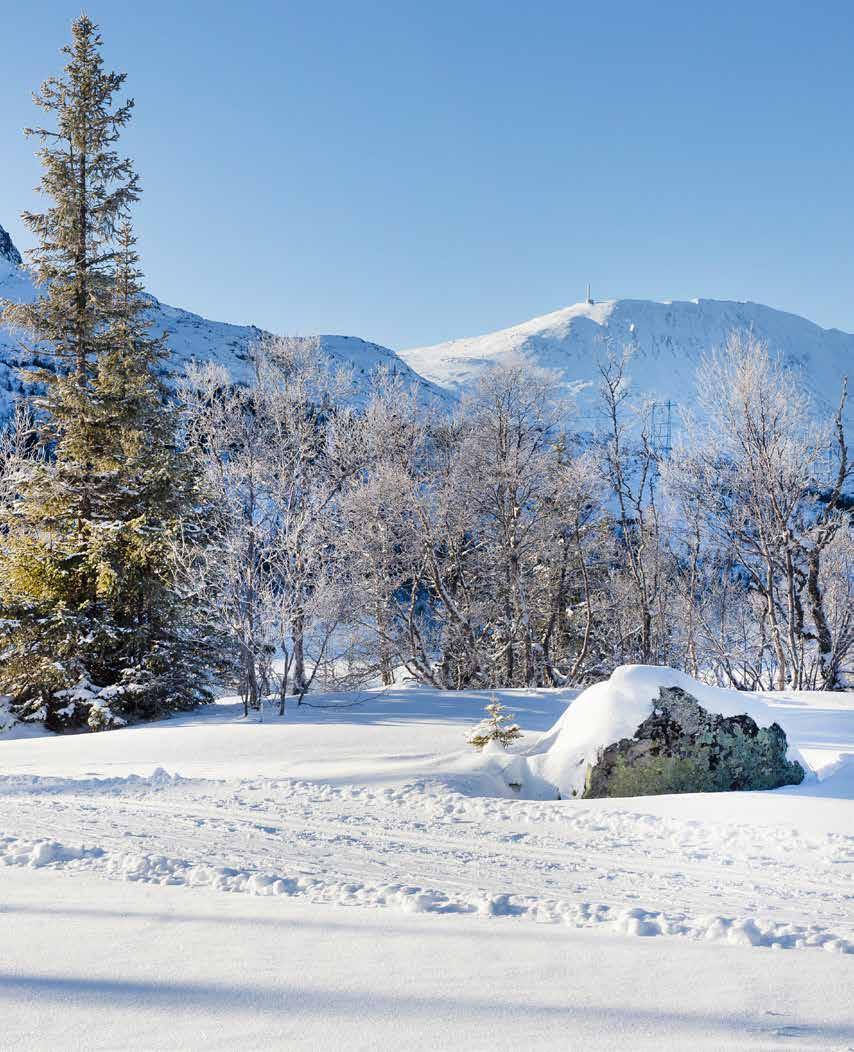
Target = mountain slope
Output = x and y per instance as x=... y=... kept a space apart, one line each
x=194 y=338
x=667 y=340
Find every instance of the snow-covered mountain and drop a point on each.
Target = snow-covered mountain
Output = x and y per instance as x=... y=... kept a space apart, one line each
x=192 y=337
x=667 y=340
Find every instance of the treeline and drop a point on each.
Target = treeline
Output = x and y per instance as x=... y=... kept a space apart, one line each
x=276 y=539
x=494 y=546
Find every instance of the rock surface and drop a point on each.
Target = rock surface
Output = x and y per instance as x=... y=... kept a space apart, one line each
x=8 y=252
x=682 y=748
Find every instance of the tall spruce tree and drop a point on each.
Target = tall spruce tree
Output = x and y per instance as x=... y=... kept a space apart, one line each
x=96 y=629
x=90 y=187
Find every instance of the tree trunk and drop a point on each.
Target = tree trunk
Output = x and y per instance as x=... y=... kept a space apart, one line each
x=298 y=634
x=828 y=670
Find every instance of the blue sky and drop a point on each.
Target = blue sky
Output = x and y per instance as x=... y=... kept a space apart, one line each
x=410 y=172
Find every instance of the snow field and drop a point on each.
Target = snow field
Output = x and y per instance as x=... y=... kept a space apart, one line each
x=185 y=884
x=424 y=848
x=154 y=968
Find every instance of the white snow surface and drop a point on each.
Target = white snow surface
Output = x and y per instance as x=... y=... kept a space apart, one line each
x=107 y=965
x=215 y=882
x=612 y=710
x=667 y=340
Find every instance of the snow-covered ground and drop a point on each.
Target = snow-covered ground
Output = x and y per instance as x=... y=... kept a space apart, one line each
x=354 y=876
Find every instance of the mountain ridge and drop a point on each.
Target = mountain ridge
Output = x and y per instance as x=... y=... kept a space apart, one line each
x=666 y=339
x=195 y=338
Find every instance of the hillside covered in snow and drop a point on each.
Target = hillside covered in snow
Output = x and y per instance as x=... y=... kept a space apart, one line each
x=666 y=341
x=193 y=338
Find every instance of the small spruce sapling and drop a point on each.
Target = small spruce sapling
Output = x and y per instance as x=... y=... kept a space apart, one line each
x=496 y=728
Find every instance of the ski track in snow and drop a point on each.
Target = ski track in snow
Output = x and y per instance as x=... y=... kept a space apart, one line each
x=550 y=862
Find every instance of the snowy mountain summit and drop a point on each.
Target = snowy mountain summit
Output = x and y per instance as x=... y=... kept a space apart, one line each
x=666 y=340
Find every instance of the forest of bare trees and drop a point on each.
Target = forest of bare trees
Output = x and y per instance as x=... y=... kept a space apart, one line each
x=497 y=545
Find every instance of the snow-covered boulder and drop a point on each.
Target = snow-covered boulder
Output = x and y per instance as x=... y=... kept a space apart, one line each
x=682 y=748
x=651 y=729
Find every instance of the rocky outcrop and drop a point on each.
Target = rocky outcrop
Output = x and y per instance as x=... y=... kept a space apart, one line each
x=682 y=748
x=8 y=252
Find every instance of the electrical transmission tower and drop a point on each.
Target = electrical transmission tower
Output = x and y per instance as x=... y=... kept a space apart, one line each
x=661 y=428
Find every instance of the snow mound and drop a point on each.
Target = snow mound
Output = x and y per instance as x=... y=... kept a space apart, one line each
x=615 y=708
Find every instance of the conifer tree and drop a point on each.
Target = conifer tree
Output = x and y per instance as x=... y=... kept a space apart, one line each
x=90 y=188
x=95 y=627
x=496 y=728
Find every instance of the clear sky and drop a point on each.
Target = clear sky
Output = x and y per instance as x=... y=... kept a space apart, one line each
x=418 y=170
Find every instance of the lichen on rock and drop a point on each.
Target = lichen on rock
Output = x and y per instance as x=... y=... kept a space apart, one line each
x=682 y=748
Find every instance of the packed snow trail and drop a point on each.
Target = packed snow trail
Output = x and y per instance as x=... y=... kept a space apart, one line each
x=424 y=848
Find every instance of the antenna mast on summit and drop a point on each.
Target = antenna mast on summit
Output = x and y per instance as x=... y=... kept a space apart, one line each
x=589 y=297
